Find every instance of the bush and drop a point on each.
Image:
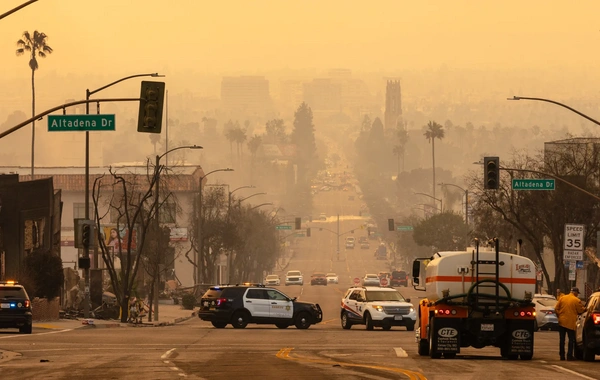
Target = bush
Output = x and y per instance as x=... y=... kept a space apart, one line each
x=188 y=301
x=43 y=274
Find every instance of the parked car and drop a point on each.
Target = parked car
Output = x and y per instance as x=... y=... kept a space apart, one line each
x=318 y=278
x=272 y=280
x=399 y=278
x=370 y=279
x=376 y=307
x=332 y=278
x=587 y=334
x=294 y=277
x=240 y=305
x=545 y=316
x=15 y=307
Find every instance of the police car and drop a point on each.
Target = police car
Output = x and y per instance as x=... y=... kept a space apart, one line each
x=376 y=307
x=240 y=305
x=15 y=307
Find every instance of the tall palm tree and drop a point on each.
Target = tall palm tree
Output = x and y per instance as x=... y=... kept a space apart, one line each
x=402 y=135
x=398 y=151
x=433 y=131
x=253 y=145
x=35 y=45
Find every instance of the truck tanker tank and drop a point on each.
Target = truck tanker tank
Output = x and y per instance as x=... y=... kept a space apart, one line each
x=452 y=273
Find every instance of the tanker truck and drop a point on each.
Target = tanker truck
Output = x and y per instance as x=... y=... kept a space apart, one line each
x=477 y=298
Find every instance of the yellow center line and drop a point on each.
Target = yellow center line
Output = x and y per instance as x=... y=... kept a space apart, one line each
x=329 y=320
x=284 y=353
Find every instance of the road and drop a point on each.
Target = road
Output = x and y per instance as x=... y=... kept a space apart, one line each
x=196 y=350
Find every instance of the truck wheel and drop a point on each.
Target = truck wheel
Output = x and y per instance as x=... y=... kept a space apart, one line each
x=369 y=322
x=219 y=325
x=432 y=349
x=282 y=325
x=346 y=324
x=423 y=347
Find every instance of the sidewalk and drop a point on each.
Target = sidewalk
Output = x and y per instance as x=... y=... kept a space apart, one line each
x=168 y=315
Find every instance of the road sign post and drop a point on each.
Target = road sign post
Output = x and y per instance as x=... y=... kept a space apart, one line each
x=533 y=184
x=74 y=123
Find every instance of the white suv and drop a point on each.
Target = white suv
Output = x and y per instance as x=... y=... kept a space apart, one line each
x=376 y=307
x=294 y=277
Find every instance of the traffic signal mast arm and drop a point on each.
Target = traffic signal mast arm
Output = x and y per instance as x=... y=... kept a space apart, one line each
x=40 y=115
x=555 y=177
x=335 y=233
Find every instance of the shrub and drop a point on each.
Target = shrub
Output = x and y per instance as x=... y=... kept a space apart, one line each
x=43 y=274
x=188 y=301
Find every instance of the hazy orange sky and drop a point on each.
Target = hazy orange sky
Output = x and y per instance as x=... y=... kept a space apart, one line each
x=256 y=35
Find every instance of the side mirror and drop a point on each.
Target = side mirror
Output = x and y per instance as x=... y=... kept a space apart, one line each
x=407 y=299
x=293 y=299
x=416 y=271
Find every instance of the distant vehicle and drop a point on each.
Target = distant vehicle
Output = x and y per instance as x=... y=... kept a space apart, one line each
x=370 y=279
x=399 y=278
x=318 y=278
x=332 y=278
x=587 y=333
x=376 y=307
x=273 y=280
x=350 y=242
x=294 y=277
x=545 y=316
x=381 y=252
x=322 y=217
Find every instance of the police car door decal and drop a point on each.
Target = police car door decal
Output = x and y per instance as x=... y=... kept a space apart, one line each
x=281 y=306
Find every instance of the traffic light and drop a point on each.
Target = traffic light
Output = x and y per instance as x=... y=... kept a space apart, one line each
x=85 y=235
x=491 y=173
x=298 y=223
x=308 y=232
x=151 y=107
x=391 y=225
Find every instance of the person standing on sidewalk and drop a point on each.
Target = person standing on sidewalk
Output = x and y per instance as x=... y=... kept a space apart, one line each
x=567 y=309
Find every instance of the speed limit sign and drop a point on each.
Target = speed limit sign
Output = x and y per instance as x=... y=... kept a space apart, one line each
x=574 y=237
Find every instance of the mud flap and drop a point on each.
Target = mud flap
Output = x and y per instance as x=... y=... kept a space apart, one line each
x=520 y=338
x=446 y=335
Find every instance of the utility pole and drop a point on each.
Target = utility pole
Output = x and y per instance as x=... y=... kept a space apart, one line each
x=338 y=237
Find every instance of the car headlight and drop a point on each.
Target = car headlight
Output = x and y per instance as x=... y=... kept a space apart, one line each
x=378 y=307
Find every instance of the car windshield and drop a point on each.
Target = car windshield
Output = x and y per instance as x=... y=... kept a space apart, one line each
x=294 y=273
x=548 y=302
x=12 y=292
x=319 y=274
x=272 y=277
x=372 y=276
x=331 y=274
x=379 y=295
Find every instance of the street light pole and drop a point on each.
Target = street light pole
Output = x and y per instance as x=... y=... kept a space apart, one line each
x=158 y=256
x=86 y=251
x=427 y=195
x=250 y=196
x=201 y=221
x=557 y=103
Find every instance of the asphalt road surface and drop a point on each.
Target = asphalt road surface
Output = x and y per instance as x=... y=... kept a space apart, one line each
x=195 y=350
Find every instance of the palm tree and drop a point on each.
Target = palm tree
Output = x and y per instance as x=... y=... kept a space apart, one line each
x=253 y=145
x=37 y=47
x=434 y=131
x=398 y=151
x=402 y=135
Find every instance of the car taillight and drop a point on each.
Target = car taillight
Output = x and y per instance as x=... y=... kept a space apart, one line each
x=596 y=318
x=547 y=311
x=27 y=303
x=221 y=301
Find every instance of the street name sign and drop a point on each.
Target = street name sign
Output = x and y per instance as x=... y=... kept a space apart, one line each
x=404 y=228
x=533 y=184
x=74 y=123
x=283 y=227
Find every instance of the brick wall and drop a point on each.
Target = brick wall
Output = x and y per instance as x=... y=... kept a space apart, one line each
x=44 y=310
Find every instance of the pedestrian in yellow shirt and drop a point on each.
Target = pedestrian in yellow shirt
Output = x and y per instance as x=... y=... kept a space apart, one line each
x=567 y=309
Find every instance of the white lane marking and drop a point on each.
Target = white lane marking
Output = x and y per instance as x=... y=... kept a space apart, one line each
x=400 y=352
x=167 y=354
x=166 y=362
x=573 y=372
x=46 y=333
x=175 y=368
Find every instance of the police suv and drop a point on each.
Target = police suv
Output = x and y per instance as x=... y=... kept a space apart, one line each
x=239 y=305
x=15 y=307
x=376 y=307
